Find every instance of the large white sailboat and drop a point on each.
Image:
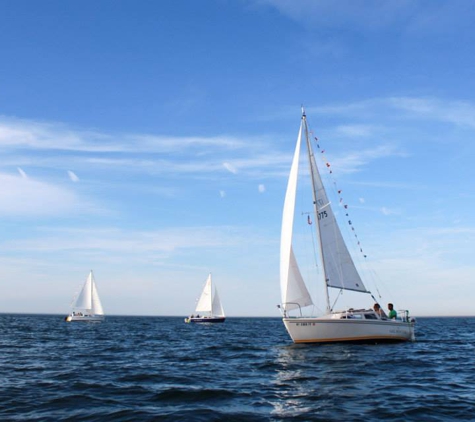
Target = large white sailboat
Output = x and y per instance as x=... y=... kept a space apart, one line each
x=338 y=272
x=87 y=306
x=208 y=308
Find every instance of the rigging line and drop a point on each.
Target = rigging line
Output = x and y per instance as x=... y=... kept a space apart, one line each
x=338 y=191
x=352 y=234
x=349 y=228
x=336 y=299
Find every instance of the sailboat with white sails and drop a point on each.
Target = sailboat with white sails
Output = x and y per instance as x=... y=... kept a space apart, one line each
x=209 y=307
x=338 y=268
x=87 y=306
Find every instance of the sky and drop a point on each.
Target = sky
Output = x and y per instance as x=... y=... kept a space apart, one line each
x=151 y=142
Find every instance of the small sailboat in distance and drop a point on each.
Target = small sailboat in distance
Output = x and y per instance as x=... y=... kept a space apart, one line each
x=338 y=271
x=87 y=306
x=209 y=308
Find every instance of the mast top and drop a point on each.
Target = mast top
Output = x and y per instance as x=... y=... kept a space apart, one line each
x=303 y=112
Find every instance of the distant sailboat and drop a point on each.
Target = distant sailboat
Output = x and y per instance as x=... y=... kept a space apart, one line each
x=339 y=272
x=87 y=306
x=209 y=308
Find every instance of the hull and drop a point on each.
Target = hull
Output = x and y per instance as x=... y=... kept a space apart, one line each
x=206 y=320
x=330 y=330
x=84 y=318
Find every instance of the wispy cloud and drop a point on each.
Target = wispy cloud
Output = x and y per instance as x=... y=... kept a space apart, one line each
x=229 y=167
x=129 y=242
x=373 y=15
x=460 y=113
x=56 y=136
x=347 y=12
x=355 y=160
x=22 y=196
x=387 y=211
x=73 y=176
x=22 y=173
x=56 y=146
x=360 y=130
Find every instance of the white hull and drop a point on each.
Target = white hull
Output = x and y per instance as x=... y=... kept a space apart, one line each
x=84 y=318
x=331 y=330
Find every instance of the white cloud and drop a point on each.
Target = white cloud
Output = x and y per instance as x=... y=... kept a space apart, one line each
x=387 y=211
x=261 y=188
x=24 y=196
x=37 y=144
x=229 y=167
x=356 y=130
x=460 y=113
x=42 y=136
x=73 y=176
x=369 y=14
x=130 y=243
x=22 y=173
x=409 y=17
x=355 y=160
x=222 y=193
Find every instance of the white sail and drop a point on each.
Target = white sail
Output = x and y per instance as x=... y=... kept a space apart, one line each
x=88 y=299
x=217 y=307
x=340 y=270
x=293 y=289
x=96 y=307
x=205 y=301
x=84 y=299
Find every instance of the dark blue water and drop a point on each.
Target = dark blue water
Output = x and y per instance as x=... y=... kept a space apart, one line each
x=247 y=369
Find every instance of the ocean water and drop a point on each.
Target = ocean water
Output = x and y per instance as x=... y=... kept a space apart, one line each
x=247 y=369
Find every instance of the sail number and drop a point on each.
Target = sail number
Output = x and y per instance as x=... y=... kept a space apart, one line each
x=322 y=214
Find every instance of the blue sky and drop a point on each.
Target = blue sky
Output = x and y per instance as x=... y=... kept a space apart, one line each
x=151 y=142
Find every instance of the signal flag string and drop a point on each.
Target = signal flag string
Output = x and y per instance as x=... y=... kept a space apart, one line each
x=342 y=202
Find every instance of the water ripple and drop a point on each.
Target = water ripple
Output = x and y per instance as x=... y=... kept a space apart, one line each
x=132 y=368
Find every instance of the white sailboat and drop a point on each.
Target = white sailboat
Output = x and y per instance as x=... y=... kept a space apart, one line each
x=87 y=306
x=209 y=308
x=339 y=272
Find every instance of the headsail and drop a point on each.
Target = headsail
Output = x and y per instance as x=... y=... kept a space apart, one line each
x=294 y=292
x=340 y=270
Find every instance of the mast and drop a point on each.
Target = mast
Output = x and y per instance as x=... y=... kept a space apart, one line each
x=92 y=294
x=210 y=295
x=313 y=167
